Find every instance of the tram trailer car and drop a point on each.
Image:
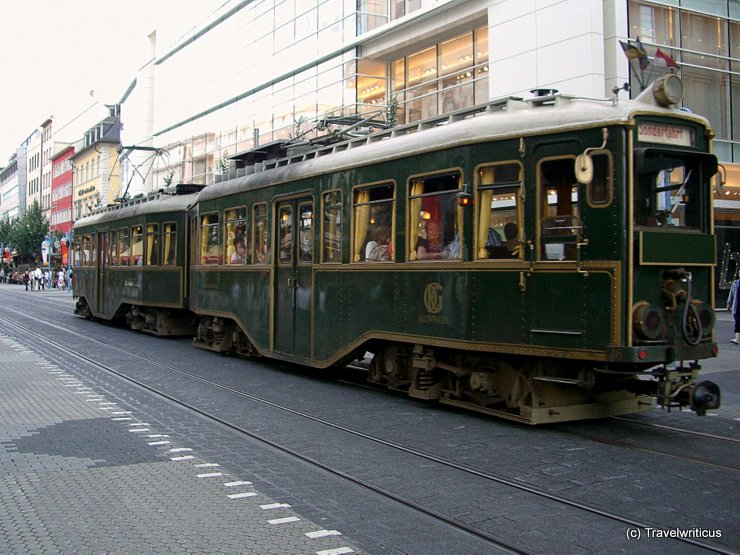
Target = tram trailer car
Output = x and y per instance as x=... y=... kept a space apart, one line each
x=130 y=263
x=541 y=260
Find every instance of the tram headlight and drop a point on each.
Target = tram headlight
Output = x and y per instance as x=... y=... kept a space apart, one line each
x=706 y=316
x=668 y=90
x=647 y=321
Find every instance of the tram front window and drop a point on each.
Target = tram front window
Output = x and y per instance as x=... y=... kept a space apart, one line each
x=671 y=187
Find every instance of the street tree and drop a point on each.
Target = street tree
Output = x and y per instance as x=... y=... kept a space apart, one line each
x=29 y=231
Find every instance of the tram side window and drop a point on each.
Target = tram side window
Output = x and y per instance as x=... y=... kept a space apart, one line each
x=373 y=224
x=559 y=211
x=332 y=226
x=137 y=246
x=210 y=239
x=435 y=219
x=236 y=235
x=601 y=187
x=76 y=250
x=152 y=244
x=112 y=246
x=86 y=259
x=124 y=242
x=285 y=235
x=170 y=244
x=305 y=233
x=499 y=196
x=260 y=235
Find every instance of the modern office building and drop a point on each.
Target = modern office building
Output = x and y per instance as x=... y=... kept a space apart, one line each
x=13 y=185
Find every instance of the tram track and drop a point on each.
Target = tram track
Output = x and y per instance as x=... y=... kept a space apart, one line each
x=450 y=521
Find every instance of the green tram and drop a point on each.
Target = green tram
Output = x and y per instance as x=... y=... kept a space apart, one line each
x=542 y=260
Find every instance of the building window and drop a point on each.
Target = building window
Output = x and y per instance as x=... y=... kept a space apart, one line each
x=443 y=78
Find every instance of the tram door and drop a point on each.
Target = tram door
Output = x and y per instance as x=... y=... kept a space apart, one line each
x=293 y=277
x=100 y=270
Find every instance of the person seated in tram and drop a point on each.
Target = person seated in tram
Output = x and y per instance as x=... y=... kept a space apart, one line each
x=239 y=256
x=429 y=242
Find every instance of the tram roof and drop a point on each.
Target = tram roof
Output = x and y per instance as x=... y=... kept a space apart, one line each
x=168 y=200
x=509 y=118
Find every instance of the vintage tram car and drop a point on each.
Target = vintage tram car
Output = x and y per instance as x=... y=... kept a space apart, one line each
x=130 y=262
x=542 y=260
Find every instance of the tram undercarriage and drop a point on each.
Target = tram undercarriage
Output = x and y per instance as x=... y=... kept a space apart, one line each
x=534 y=392
x=223 y=335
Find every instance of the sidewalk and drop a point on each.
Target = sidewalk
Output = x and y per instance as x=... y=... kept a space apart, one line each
x=81 y=474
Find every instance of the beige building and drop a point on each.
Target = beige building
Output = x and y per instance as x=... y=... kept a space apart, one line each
x=96 y=170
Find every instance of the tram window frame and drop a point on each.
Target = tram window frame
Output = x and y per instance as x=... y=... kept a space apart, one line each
x=306 y=228
x=492 y=178
x=124 y=246
x=169 y=233
x=152 y=245
x=137 y=231
x=331 y=226
x=285 y=235
x=558 y=231
x=600 y=190
x=86 y=253
x=373 y=204
x=210 y=239
x=261 y=234
x=76 y=252
x=112 y=247
x=448 y=247
x=668 y=190
x=236 y=224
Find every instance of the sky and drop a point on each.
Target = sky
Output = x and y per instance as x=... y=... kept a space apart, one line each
x=60 y=57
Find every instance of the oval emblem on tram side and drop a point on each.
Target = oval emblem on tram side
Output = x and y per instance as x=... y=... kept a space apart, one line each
x=433 y=298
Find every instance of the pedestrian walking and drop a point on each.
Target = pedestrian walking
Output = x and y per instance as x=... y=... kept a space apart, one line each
x=733 y=305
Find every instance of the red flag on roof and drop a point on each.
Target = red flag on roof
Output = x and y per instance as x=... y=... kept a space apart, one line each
x=663 y=59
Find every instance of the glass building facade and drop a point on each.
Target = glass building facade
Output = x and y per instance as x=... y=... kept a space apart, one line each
x=703 y=37
x=295 y=62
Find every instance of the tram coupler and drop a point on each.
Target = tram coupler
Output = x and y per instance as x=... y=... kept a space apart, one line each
x=677 y=388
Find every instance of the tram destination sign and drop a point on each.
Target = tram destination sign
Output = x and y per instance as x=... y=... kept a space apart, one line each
x=661 y=133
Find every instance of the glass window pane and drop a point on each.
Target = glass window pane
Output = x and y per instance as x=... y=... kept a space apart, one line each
x=332 y=226
x=707 y=93
x=261 y=235
x=152 y=245
x=703 y=33
x=499 y=195
x=559 y=209
x=137 y=246
x=305 y=233
x=435 y=218
x=210 y=240
x=654 y=24
x=170 y=243
x=124 y=255
x=236 y=235
x=373 y=224
x=285 y=238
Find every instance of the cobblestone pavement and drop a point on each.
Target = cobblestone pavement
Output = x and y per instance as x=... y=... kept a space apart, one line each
x=78 y=474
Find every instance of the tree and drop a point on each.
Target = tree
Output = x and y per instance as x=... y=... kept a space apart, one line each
x=6 y=230
x=29 y=231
